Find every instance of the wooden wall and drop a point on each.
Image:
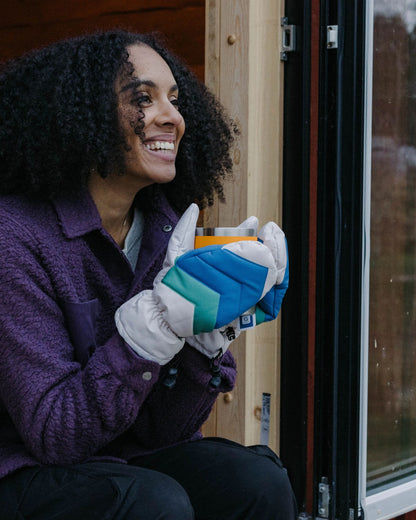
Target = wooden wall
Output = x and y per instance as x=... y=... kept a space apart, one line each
x=26 y=24
x=244 y=70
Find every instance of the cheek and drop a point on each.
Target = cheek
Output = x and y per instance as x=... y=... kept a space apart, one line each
x=136 y=152
x=130 y=119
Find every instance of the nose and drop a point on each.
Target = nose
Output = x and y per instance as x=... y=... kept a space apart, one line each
x=169 y=114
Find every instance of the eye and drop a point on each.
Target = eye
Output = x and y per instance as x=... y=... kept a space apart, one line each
x=142 y=99
x=175 y=102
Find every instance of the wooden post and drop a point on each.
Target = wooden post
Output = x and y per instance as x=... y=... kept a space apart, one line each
x=243 y=68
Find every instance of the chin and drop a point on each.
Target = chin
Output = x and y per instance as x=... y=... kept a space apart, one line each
x=165 y=178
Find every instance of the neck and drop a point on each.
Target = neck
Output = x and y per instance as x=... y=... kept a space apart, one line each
x=114 y=206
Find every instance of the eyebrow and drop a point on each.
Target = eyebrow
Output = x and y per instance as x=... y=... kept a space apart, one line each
x=136 y=82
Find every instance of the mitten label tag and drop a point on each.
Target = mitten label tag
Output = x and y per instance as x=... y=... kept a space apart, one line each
x=247 y=321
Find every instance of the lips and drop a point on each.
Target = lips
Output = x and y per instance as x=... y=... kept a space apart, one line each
x=158 y=142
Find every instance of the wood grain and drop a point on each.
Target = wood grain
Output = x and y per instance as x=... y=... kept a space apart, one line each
x=243 y=68
x=29 y=24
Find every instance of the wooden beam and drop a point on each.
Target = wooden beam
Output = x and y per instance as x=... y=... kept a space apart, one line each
x=242 y=66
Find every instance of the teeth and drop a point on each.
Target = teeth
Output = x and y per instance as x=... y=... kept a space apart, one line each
x=160 y=145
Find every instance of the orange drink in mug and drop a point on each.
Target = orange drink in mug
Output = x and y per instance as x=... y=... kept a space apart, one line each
x=222 y=235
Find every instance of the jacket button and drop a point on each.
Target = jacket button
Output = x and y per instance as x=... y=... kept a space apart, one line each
x=147 y=376
x=166 y=228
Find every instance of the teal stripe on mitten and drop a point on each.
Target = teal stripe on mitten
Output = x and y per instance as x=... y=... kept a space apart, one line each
x=205 y=299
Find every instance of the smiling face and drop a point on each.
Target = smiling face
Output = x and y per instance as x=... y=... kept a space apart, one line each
x=152 y=91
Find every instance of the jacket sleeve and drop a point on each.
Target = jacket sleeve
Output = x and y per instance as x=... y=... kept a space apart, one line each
x=174 y=414
x=65 y=411
x=62 y=411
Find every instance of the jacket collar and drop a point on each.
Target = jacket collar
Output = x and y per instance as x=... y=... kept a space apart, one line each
x=77 y=214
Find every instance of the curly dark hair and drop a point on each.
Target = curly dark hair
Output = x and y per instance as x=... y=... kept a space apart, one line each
x=59 y=120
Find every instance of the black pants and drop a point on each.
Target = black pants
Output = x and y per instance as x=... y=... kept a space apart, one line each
x=211 y=479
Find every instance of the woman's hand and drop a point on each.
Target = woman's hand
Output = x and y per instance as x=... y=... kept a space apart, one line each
x=267 y=309
x=196 y=292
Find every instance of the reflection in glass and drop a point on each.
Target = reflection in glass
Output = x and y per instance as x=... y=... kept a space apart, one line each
x=391 y=453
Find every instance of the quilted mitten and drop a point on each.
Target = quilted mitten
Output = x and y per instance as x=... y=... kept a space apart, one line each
x=196 y=291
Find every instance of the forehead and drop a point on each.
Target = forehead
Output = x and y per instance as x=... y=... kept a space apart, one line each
x=148 y=64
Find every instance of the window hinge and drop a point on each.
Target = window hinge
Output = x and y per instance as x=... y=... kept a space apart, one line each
x=323 y=499
x=332 y=37
x=288 y=38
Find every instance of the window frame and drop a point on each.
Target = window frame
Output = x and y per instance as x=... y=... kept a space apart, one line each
x=399 y=498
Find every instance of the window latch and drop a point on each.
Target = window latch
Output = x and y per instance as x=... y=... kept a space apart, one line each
x=332 y=37
x=288 y=38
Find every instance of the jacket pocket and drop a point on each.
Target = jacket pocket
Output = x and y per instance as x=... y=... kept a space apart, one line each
x=81 y=319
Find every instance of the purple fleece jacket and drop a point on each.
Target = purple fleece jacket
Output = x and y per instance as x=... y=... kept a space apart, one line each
x=71 y=389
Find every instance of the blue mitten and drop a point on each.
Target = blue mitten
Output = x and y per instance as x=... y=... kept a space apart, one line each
x=196 y=291
x=219 y=340
x=209 y=287
x=268 y=307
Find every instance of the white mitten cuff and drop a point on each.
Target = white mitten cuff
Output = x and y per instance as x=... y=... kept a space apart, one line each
x=209 y=343
x=140 y=323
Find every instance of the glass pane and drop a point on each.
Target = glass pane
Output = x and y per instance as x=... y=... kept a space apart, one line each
x=391 y=453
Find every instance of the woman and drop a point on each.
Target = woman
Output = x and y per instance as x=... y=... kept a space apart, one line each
x=107 y=368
